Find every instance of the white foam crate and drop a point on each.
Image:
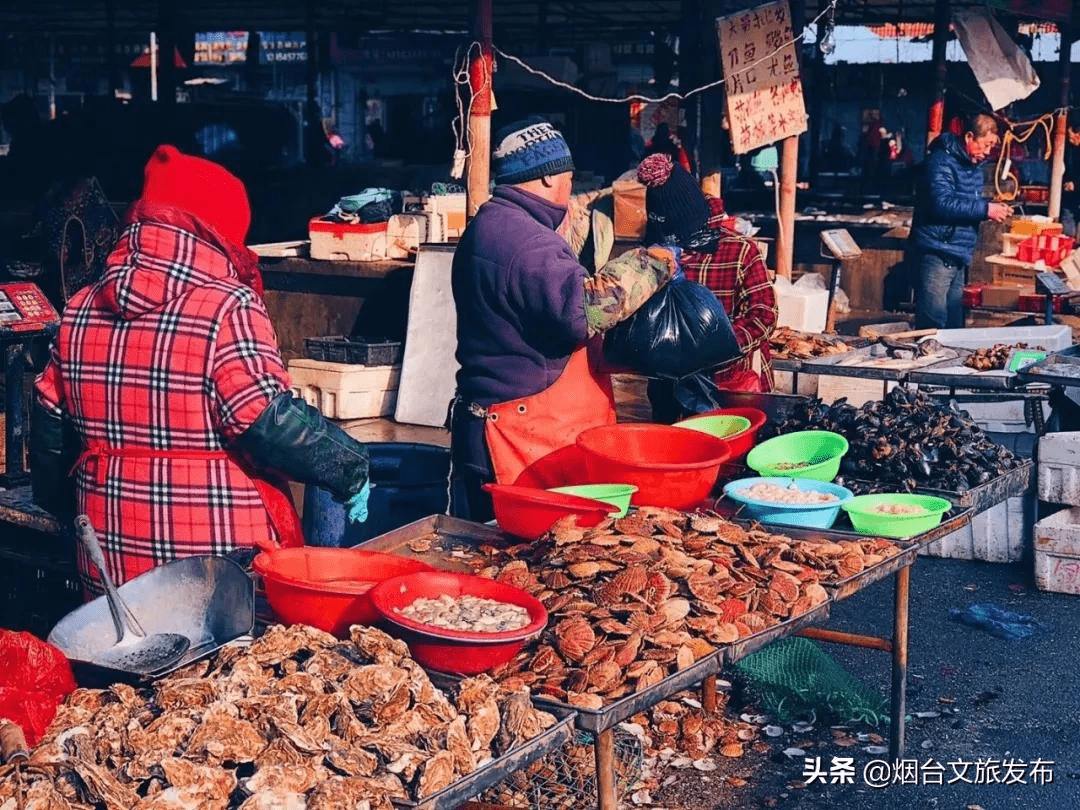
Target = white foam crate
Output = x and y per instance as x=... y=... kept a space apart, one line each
x=1057 y=552
x=785 y=383
x=343 y=390
x=998 y=534
x=1051 y=338
x=1059 y=468
x=856 y=390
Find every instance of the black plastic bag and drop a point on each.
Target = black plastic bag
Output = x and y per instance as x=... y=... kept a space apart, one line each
x=680 y=330
x=673 y=400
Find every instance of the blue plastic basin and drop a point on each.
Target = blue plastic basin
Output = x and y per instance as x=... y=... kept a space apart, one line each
x=809 y=515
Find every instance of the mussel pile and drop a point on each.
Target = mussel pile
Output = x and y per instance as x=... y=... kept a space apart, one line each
x=905 y=441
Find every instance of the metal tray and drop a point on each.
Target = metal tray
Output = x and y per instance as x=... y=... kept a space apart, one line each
x=744 y=646
x=598 y=720
x=1015 y=482
x=794 y=364
x=453 y=541
x=941 y=375
x=499 y=770
x=849 y=365
x=1058 y=368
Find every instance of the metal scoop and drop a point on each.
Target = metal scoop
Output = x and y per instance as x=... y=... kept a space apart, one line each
x=134 y=651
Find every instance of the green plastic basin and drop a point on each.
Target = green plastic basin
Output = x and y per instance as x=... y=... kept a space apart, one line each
x=805 y=454
x=866 y=521
x=720 y=426
x=615 y=494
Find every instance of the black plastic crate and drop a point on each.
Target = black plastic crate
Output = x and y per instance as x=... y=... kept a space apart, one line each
x=374 y=351
x=358 y=350
x=334 y=348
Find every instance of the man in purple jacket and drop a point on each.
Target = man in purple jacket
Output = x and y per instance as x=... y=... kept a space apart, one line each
x=525 y=311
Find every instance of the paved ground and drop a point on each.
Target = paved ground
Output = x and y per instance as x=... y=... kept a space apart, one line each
x=1013 y=700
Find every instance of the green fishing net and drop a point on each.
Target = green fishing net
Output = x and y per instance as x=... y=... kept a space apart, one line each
x=796 y=678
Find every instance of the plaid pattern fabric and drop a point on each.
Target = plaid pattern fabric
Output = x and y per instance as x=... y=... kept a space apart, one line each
x=737 y=276
x=168 y=351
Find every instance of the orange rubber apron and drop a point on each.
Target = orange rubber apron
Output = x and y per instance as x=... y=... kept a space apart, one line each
x=274 y=493
x=521 y=431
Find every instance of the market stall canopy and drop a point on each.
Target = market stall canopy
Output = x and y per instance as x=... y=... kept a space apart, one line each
x=553 y=22
x=143 y=60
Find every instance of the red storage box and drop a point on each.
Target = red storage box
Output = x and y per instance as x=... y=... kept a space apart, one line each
x=1036 y=303
x=973 y=295
x=1051 y=249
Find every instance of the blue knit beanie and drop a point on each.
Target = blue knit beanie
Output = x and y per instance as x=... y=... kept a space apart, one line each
x=528 y=150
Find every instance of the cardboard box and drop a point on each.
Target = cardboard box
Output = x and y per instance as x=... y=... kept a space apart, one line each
x=1032 y=225
x=1004 y=296
x=630 y=214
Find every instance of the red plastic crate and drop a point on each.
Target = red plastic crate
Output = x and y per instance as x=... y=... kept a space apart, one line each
x=1051 y=249
x=1036 y=303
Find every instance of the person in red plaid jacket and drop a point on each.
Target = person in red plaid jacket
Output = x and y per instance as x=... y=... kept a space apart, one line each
x=167 y=371
x=717 y=257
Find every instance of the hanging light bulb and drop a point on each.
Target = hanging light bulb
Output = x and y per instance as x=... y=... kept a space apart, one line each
x=827 y=42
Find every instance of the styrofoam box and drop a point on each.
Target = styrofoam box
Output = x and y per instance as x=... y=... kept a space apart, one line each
x=1059 y=468
x=343 y=390
x=453 y=206
x=1057 y=552
x=803 y=310
x=1004 y=416
x=342 y=241
x=1051 y=338
x=404 y=233
x=784 y=382
x=998 y=534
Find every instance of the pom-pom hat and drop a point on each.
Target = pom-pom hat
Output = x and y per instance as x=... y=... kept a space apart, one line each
x=677 y=209
x=200 y=187
x=528 y=150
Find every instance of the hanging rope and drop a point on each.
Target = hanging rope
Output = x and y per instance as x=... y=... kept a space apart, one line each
x=1018 y=132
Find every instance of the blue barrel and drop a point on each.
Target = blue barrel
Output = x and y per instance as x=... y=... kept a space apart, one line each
x=409 y=482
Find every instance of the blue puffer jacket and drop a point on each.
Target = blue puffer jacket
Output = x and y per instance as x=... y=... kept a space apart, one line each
x=949 y=203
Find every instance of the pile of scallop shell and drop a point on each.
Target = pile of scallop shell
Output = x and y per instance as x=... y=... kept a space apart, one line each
x=296 y=721
x=638 y=598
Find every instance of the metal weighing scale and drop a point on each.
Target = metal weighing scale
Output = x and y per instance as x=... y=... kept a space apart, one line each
x=25 y=316
x=840 y=248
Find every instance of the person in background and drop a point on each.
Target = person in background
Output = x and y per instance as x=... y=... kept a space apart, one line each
x=726 y=263
x=949 y=205
x=526 y=311
x=664 y=142
x=168 y=373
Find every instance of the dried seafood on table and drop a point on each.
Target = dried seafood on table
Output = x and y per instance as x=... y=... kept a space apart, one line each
x=994 y=358
x=787 y=343
x=297 y=720
x=644 y=596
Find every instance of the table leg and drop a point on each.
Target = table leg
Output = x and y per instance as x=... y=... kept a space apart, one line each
x=898 y=707
x=606 y=798
x=708 y=694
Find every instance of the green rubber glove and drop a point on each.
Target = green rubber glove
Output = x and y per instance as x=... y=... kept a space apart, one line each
x=358 y=504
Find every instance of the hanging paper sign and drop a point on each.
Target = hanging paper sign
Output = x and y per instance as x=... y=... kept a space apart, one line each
x=761 y=76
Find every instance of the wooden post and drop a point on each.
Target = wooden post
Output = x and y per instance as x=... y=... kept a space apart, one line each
x=1057 y=160
x=785 y=227
x=936 y=121
x=478 y=166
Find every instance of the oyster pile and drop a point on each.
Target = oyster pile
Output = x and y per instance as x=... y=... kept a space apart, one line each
x=466 y=612
x=787 y=343
x=905 y=441
x=296 y=721
x=637 y=598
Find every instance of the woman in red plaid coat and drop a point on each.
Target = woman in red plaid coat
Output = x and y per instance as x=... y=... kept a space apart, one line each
x=168 y=371
x=715 y=256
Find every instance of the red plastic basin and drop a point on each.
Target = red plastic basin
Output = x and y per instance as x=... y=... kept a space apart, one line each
x=743 y=442
x=670 y=466
x=328 y=588
x=529 y=513
x=564 y=467
x=457 y=652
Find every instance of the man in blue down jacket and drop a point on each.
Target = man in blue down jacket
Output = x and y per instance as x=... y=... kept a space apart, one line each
x=526 y=310
x=949 y=206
